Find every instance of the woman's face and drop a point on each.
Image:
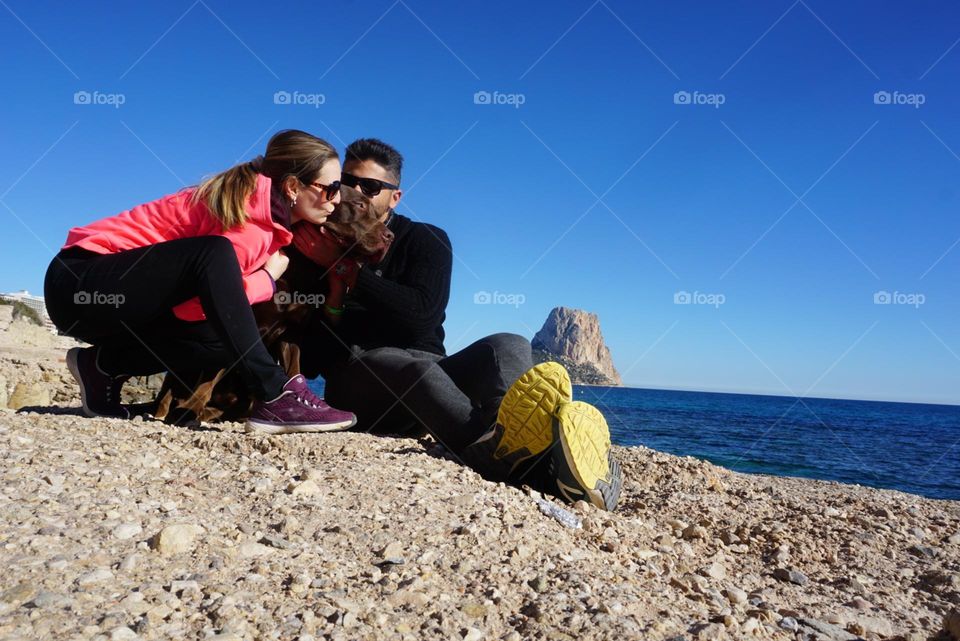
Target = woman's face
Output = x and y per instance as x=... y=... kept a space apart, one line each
x=312 y=203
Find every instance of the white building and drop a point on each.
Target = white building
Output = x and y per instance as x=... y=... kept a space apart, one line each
x=33 y=302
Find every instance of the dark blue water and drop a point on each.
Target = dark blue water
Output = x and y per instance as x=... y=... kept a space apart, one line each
x=904 y=446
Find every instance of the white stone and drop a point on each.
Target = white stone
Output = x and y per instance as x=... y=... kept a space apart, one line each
x=176 y=539
x=126 y=531
x=122 y=633
x=305 y=488
x=96 y=576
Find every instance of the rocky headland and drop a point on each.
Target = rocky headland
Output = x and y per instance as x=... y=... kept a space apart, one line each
x=572 y=337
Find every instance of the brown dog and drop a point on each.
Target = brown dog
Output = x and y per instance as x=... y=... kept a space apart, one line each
x=354 y=231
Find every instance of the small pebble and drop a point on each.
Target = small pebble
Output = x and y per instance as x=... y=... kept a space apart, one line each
x=791 y=576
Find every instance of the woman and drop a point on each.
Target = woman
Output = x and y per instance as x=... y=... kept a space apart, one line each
x=168 y=285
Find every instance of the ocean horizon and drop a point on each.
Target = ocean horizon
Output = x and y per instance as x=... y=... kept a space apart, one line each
x=742 y=393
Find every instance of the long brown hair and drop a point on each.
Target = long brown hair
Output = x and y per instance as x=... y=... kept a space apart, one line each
x=289 y=153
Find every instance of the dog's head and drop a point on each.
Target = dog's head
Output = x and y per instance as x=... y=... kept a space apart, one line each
x=354 y=224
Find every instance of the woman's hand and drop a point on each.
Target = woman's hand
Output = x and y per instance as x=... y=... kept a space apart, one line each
x=326 y=252
x=277 y=264
x=322 y=249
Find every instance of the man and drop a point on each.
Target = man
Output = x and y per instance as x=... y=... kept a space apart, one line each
x=385 y=361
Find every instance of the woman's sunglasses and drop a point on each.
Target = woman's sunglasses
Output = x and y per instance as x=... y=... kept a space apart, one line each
x=329 y=191
x=369 y=186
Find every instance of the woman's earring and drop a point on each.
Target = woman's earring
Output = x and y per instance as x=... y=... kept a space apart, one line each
x=293 y=202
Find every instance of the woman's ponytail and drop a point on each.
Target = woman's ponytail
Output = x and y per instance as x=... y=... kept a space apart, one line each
x=227 y=193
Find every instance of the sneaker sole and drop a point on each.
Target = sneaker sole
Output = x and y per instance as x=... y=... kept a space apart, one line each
x=583 y=464
x=528 y=409
x=308 y=428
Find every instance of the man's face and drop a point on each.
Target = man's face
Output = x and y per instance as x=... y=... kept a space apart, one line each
x=387 y=199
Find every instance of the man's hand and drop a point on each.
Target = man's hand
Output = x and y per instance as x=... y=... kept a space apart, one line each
x=346 y=271
x=276 y=265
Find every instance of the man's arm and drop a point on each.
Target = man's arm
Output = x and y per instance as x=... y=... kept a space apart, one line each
x=418 y=298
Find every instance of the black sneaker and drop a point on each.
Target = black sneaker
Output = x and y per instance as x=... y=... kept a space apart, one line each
x=99 y=392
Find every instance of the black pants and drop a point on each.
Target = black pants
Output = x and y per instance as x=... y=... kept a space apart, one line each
x=456 y=398
x=121 y=303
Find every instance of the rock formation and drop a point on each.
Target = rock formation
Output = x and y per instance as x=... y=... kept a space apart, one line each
x=572 y=337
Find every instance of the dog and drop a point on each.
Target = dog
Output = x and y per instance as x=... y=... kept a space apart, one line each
x=354 y=232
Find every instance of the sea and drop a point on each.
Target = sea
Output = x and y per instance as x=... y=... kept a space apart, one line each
x=909 y=447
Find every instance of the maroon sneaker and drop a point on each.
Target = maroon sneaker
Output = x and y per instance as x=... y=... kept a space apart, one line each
x=99 y=392
x=297 y=409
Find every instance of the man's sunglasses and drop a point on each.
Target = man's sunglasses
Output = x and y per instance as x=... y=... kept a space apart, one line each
x=329 y=191
x=369 y=186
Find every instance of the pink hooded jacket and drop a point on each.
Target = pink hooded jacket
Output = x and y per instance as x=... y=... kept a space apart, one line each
x=175 y=216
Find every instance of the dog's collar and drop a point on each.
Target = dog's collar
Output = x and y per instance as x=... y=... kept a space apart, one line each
x=337 y=238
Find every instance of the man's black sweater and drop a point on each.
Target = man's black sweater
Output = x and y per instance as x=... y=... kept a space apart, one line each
x=400 y=302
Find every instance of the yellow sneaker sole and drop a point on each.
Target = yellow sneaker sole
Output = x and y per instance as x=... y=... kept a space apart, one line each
x=528 y=409
x=582 y=461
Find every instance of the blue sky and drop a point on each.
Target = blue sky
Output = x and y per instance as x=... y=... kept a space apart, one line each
x=780 y=191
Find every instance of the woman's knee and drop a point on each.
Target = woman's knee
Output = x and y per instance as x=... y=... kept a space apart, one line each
x=210 y=254
x=216 y=249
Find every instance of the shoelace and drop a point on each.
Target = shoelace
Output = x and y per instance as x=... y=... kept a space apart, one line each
x=115 y=384
x=306 y=398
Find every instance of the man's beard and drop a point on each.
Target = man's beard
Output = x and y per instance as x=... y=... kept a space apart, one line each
x=383 y=211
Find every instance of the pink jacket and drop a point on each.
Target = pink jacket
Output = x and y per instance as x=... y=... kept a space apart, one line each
x=173 y=217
